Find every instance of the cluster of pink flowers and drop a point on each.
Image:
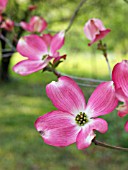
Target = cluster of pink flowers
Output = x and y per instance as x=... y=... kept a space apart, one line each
x=7 y=23
x=39 y=50
x=74 y=121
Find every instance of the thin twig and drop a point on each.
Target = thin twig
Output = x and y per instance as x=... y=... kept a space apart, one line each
x=86 y=85
x=109 y=68
x=74 y=15
x=83 y=78
x=7 y=55
x=8 y=42
x=96 y=142
x=103 y=47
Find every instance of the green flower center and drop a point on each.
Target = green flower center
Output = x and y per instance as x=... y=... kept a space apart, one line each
x=81 y=119
x=44 y=56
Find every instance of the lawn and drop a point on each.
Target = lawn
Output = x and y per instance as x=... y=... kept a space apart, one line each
x=24 y=99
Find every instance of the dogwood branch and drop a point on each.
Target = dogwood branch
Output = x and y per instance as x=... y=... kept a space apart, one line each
x=89 y=80
x=74 y=15
x=103 y=47
x=96 y=142
x=84 y=79
x=8 y=42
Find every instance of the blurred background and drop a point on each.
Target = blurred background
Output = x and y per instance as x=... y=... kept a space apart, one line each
x=23 y=99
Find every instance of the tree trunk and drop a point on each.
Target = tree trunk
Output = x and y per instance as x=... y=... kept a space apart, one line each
x=4 y=74
x=4 y=68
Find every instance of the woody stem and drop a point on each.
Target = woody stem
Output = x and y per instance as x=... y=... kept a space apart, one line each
x=96 y=142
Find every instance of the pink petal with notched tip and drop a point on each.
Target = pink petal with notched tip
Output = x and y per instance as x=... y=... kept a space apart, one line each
x=57 y=128
x=98 y=124
x=86 y=135
x=120 y=76
x=26 y=67
x=57 y=42
x=66 y=95
x=99 y=36
x=32 y=46
x=126 y=126
x=102 y=101
x=84 y=138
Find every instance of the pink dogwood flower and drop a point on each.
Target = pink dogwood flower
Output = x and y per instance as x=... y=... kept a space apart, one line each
x=8 y=25
x=51 y=41
x=95 y=30
x=3 y=4
x=120 y=79
x=74 y=121
x=38 y=53
x=36 y=24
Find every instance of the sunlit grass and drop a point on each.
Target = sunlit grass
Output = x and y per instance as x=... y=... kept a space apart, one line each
x=84 y=64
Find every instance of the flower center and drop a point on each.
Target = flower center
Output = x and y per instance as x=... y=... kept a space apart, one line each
x=81 y=119
x=44 y=56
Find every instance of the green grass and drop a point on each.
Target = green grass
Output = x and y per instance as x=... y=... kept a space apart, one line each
x=24 y=99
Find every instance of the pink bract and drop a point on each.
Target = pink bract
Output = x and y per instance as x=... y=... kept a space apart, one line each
x=95 y=30
x=54 y=43
x=123 y=108
x=36 y=24
x=120 y=79
x=75 y=121
x=120 y=76
x=8 y=25
x=3 y=4
x=38 y=53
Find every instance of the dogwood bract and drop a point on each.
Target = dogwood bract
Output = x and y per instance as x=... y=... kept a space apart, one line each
x=74 y=121
x=36 y=24
x=120 y=79
x=95 y=30
x=8 y=25
x=38 y=52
